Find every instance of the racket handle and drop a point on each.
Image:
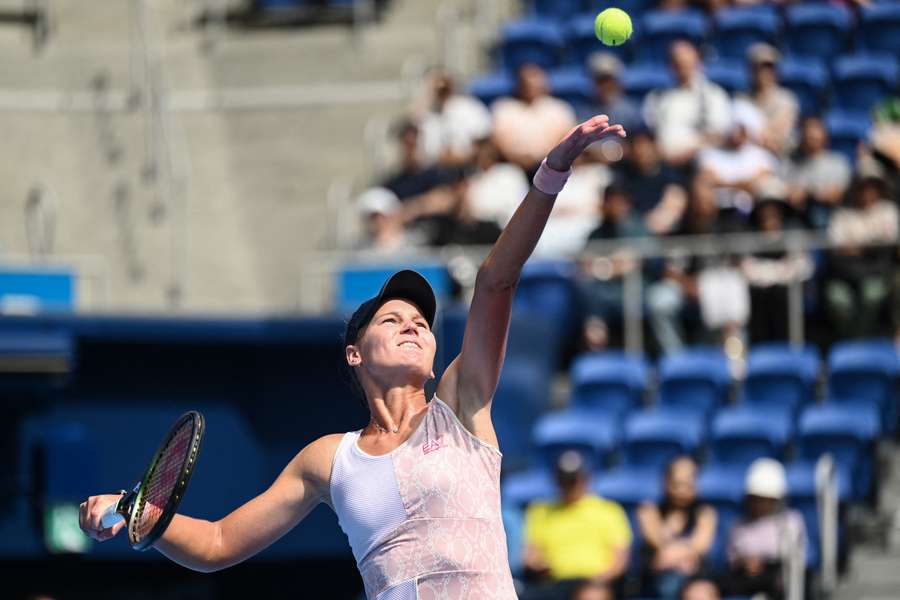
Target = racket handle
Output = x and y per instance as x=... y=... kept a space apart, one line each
x=111 y=516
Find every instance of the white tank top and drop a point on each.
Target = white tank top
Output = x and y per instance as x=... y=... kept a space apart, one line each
x=424 y=520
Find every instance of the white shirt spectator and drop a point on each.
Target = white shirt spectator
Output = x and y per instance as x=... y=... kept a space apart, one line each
x=525 y=133
x=682 y=116
x=575 y=213
x=731 y=166
x=495 y=194
x=462 y=120
x=857 y=227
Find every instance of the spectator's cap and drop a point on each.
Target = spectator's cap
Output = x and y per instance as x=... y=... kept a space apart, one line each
x=570 y=465
x=377 y=201
x=406 y=284
x=762 y=53
x=604 y=64
x=766 y=479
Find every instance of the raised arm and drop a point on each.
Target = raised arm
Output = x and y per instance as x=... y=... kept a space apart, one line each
x=469 y=382
x=208 y=546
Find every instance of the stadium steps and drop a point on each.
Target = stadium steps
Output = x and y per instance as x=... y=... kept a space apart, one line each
x=256 y=197
x=873 y=573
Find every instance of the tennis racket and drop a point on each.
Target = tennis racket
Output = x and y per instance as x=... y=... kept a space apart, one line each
x=150 y=505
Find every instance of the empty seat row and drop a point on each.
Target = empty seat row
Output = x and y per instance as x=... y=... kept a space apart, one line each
x=812 y=30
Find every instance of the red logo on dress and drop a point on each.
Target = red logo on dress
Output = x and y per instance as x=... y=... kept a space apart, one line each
x=431 y=446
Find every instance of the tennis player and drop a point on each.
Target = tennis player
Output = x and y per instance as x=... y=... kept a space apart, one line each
x=417 y=491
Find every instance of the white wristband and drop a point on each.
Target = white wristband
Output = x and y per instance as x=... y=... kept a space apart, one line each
x=549 y=180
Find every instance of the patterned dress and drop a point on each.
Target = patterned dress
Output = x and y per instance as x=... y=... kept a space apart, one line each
x=424 y=520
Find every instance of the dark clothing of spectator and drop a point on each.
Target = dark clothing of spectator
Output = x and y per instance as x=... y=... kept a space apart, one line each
x=448 y=230
x=409 y=183
x=646 y=190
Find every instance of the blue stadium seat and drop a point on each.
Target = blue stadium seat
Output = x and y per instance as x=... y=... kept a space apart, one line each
x=846 y=129
x=492 y=86
x=730 y=74
x=589 y=432
x=801 y=480
x=722 y=487
x=816 y=30
x=531 y=41
x=808 y=79
x=779 y=376
x=739 y=28
x=556 y=9
x=658 y=29
x=739 y=435
x=522 y=395
x=866 y=371
x=629 y=486
x=608 y=381
x=581 y=42
x=879 y=28
x=861 y=80
x=694 y=380
x=848 y=433
x=639 y=80
x=572 y=85
x=654 y=437
x=522 y=488
x=547 y=288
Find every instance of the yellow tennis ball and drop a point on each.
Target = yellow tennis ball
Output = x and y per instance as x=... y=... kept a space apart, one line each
x=613 y=26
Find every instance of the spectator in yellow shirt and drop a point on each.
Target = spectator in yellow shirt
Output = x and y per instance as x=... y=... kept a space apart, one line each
x=576 y=538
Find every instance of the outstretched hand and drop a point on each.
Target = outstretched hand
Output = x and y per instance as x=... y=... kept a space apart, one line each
x=579 y=138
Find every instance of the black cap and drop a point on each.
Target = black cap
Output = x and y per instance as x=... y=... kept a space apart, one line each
x=406 y=284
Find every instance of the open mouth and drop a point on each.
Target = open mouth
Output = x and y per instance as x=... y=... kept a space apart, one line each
x=410 y=344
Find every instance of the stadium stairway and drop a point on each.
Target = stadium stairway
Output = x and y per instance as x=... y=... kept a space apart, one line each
x=872 y=573
x=255 y=179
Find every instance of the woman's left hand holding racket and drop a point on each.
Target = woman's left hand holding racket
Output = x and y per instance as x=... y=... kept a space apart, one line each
x=91 y=516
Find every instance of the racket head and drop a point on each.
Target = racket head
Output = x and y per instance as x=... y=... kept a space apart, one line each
x=153 y=503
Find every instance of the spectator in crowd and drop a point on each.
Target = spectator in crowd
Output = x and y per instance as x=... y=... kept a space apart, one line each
x=693 y=114
x=609 y=98
x=458 y=225
x=860 y=275
x=769 y=274
x=602 y=285
x=766 y=537
x=414 y=176
x=382 y=222
x=739 y=167
x=575 y=212
x=528 y=126
x=677 y=533
x=592 y=590
x=699 y=589
x=777 y=104
x=817 y=177
x=680 y=287
x=451 y=122
x=657 y=190
x=495 y=188
x=578 y=537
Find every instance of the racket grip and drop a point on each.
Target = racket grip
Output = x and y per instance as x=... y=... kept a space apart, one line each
x=111 y=516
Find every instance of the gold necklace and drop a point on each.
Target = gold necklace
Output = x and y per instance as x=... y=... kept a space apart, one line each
x=383 y=429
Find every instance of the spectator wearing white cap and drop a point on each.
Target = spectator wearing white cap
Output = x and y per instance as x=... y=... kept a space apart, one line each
x=778 y=104
x=382 y=226
x=768 y=535
x=609 y=98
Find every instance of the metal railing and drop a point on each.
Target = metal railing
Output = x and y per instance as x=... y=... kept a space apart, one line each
x=318 y=268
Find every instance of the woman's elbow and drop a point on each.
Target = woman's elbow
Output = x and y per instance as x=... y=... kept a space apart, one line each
x=493 y=279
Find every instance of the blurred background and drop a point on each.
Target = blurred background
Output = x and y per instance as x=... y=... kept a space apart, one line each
x=197 y=193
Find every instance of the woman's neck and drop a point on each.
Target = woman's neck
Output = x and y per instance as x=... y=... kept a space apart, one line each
x=393 y=410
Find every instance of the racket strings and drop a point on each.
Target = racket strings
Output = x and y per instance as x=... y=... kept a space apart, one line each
x=163 y=479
